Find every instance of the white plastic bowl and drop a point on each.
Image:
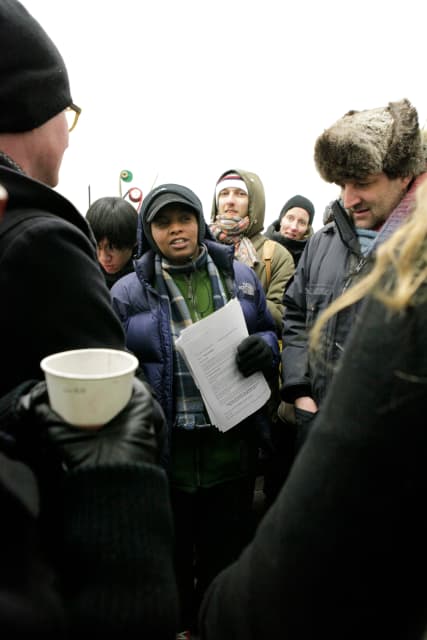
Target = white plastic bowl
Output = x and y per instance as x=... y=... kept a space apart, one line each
x=89 y=387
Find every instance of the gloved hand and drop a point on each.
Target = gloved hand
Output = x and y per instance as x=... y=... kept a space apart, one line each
x=286 y=412
x=254 y=354
x=136 y=434
x=304 y=420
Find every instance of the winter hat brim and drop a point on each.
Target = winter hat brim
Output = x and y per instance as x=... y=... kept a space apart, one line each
x=164 y=200
x=383 y=140
x=34 y=85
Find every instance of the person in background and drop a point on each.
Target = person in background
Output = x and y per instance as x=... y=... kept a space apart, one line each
x=86 y=529
x=113 y=221
x=376 y=159
x=342 y=553
x=51 y=288
x=237 y=219
x=181 y=277
x=293 y=226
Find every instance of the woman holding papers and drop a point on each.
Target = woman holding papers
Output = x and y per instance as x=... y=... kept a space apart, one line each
x=182 y=276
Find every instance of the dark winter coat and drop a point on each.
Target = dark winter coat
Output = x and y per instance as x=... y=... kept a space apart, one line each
x=29 y=602
x=332 y=254
x=111 y=278
x=52 y=291
x=93 y=562
x=295 y=247
x=342 y=552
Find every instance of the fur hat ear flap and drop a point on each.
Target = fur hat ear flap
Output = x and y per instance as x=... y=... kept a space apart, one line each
x=405 y=155
x=386 y=139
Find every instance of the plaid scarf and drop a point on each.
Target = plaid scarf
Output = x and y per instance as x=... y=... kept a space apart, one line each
x=366 y=239
x=399 y=215
x=231 y=230
x=189 y=407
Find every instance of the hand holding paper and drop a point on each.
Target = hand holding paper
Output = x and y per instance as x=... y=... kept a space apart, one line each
x=209 y=347
x=254 y=354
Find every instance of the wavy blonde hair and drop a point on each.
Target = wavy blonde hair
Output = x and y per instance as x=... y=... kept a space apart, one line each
x=403 y=257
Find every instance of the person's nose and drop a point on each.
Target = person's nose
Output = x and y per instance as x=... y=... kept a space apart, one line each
x=104 y=255
x=175 y=227
x=350 y=196
x=230 y=198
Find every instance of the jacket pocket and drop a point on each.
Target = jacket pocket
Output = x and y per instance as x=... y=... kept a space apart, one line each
x=318 y=297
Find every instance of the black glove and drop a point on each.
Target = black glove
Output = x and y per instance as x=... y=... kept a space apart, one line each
x=304 y=420
x=10 y=421
x=254 y=354
x=136 y=434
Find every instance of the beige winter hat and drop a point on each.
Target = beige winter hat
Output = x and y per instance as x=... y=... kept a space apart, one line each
x=386 y=139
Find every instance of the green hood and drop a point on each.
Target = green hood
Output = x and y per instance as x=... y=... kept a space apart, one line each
x=256 y=194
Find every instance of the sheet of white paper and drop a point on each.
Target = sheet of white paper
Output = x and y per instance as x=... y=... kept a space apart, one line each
x=209 y=348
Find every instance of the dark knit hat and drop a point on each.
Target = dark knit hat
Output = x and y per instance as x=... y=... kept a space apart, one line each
x=164 y=195
x=383 y=140
x=34 y=84
x=302 y=203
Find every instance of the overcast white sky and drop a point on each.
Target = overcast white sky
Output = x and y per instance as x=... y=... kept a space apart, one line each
x=180 y=91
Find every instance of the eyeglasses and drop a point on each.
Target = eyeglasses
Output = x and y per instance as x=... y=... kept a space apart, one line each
x=73 y=113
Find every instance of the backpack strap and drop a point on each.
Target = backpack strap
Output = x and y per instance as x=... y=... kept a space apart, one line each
x=267 y=254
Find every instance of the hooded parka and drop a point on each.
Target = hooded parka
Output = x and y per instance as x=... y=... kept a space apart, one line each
x=282 y=264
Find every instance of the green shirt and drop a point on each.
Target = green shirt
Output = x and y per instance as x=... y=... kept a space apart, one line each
x=204 y=457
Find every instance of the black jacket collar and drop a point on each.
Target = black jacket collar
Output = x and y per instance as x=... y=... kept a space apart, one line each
x=26 y=193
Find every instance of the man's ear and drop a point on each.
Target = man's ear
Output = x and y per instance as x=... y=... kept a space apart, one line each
x=407 y=180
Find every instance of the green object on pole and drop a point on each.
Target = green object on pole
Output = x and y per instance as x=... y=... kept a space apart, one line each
x=126 y=175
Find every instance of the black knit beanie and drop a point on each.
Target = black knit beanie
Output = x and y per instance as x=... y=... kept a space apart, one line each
x=34 y=84
x=302 y=203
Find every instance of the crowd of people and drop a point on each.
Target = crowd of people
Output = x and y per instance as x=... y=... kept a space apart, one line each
x=145 y=527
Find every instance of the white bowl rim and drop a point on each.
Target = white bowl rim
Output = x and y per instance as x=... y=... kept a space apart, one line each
x=47 y=366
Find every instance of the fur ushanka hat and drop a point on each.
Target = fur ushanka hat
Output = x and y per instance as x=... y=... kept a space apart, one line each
x=383 y=140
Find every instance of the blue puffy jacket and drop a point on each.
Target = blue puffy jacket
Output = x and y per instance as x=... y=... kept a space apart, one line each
x=145 y=317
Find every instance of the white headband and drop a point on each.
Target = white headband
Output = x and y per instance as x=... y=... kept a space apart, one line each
x=230 y=183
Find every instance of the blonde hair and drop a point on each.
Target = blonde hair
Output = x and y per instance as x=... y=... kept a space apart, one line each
x=403 y=257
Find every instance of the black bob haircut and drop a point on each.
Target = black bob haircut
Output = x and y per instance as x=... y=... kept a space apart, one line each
x=115 y=219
